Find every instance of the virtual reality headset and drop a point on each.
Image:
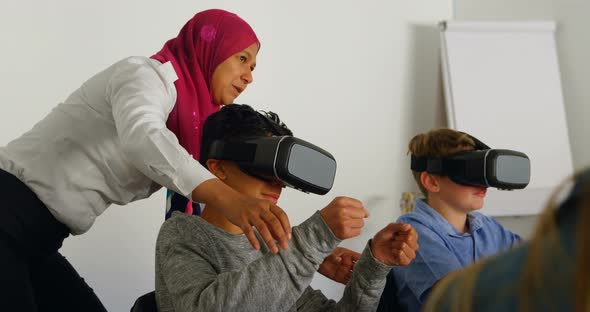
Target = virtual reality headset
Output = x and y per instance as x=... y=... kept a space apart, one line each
x=483 y=166
x=290 y=160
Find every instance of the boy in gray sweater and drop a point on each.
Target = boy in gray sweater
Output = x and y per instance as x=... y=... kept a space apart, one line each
x=207 y=264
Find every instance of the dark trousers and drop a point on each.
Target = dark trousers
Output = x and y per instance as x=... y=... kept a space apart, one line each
x=34 y=276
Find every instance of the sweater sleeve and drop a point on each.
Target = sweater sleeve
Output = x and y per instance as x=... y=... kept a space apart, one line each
x=362 y=292
x=271 y=282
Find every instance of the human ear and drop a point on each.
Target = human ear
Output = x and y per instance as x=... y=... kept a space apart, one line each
x=429 y=182
x=217 y=168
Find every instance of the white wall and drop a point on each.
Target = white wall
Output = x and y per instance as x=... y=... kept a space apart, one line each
x=358 y=78
x=572 y=49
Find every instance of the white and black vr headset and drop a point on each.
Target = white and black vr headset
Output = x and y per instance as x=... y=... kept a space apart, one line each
x=483 y=166
x=294 y=162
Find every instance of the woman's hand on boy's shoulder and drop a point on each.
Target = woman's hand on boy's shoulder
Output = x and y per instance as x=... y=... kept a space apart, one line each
x=395 y=244
x=247 y=212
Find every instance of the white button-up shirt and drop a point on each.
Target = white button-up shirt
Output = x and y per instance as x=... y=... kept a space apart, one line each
x=107 y=143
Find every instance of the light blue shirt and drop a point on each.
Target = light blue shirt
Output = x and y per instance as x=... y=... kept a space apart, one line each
x=443 y=249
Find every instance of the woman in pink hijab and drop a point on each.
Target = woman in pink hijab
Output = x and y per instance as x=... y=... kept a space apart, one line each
x=125 y=133
x=213 y=57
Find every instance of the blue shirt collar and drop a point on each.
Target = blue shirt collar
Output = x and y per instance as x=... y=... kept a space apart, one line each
x=422 y=208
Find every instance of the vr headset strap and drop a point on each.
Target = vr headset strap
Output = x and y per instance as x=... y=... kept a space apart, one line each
x=233 y=151
x=435 y=165
x=438 y=165
x=418 y=163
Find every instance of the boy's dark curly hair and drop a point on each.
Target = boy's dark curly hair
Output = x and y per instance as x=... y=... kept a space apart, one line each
x=236 y=122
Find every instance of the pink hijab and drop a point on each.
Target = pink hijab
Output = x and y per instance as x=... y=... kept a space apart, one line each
x=205 y=41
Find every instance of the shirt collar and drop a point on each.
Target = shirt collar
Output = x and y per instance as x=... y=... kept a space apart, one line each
x=422 y=208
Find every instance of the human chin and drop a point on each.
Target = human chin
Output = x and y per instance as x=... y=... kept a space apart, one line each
x=227 y=99
x=477 y=203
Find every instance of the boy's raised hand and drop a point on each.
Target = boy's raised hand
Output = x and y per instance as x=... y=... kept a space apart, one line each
x=344 y=216
x=338 y=265
x=395 y=244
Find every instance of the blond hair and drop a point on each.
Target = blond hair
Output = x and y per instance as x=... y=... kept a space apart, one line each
x=536 y=269
x=438 y=143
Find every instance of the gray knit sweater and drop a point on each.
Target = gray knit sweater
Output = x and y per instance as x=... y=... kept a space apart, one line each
x=200 y=267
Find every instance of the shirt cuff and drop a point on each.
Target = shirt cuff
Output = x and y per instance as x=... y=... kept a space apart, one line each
x=168 y=164
x=191 y=174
